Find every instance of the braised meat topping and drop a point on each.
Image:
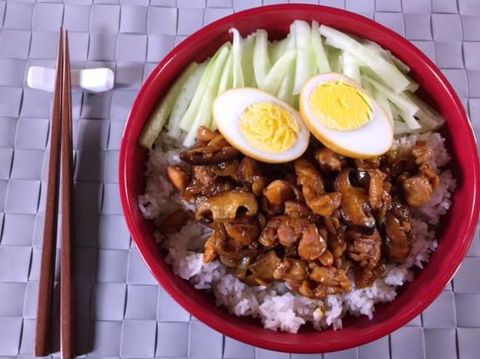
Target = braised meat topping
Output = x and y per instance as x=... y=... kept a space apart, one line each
x=318 y=224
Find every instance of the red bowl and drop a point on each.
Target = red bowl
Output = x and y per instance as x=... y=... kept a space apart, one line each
x=456 y=234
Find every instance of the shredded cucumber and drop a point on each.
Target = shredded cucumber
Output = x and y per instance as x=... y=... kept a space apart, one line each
x=285 y=92
x=278 y=48
x=237 y=59
x=413 y=85
x=247 y=62
x=204 y=114
x=261 y=60
x=157 y=120
x=427 y=115
x=395 y=113
x=281 y=68
x=367 y=86
x=226 y=81
x=401 y=128
x=404 y=104
x=385 y=104
x=278 y=72
x=387 y=55
x=391 y=75
x=304 y=66
x=402 y=66
x=409 y=119
x=320 y=55
x=334 y=58
x=350 y=67
x=291 y=43
x=189 y=115
x=183 y=100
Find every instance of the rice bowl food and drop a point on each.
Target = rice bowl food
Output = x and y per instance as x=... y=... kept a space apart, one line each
x=278 y=301
x=275 y=305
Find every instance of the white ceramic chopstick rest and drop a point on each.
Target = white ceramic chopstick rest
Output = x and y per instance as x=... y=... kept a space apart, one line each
x=92 y=80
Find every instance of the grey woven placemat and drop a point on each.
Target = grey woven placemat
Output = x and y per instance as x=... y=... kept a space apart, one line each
x=121 y=310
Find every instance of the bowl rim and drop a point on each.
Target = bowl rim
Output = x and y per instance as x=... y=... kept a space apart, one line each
x=227 y=328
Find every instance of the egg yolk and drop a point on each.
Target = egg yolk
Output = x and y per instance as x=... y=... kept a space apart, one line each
x=269 y=127
x=340 y=106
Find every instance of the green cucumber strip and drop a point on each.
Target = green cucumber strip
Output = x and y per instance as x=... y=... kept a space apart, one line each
x=350 y=66
x=334 y=58
x=401 y=128
x=413 y=85
x=226 y=81
x=277 y=49
x=291 y=43
x=159 y=117
x=278 y=72
x=387 y=55
x=285 y=92
x=237 y=59
x=427 y=114
x=183 y=100
x=405 y=105
x=189 y=115
x=261 y=60
x=320 y=55
x=383 y=102
x=204 y=114
x=304 y=66
x=247 y=62
x=409 y=119
x=385 y=70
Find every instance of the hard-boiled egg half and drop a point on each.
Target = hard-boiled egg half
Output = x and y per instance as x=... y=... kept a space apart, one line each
x=344 y=118
x=260 y=126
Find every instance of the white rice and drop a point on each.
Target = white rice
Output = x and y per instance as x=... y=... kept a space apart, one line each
x=275 y=305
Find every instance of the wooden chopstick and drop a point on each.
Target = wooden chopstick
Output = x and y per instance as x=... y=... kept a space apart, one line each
x=66 y=274
x=60 y=149
x=47 y=269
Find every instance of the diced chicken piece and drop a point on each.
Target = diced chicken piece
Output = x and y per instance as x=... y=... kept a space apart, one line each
x=417 y=190
x=399 y=234
x=291 y=230
x=312 y=244
x=264 y=267
x=364 y=277
x=313 y=189
x=422 y=153
x=269 y=236
x=277 y=193
x=325 y=281
x=326 y=204
x=326 y=258
x=328 y=160
x=364 y=249
x=296 y=209
x=291 y=270
x=244 y=231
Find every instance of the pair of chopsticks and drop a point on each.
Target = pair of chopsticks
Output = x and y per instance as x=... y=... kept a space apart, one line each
x=60 y=169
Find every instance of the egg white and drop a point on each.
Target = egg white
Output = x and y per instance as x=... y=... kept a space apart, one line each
x=373 y=139
x=227 y=110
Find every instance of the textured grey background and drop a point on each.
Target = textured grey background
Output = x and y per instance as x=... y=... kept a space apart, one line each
x=121 y=311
